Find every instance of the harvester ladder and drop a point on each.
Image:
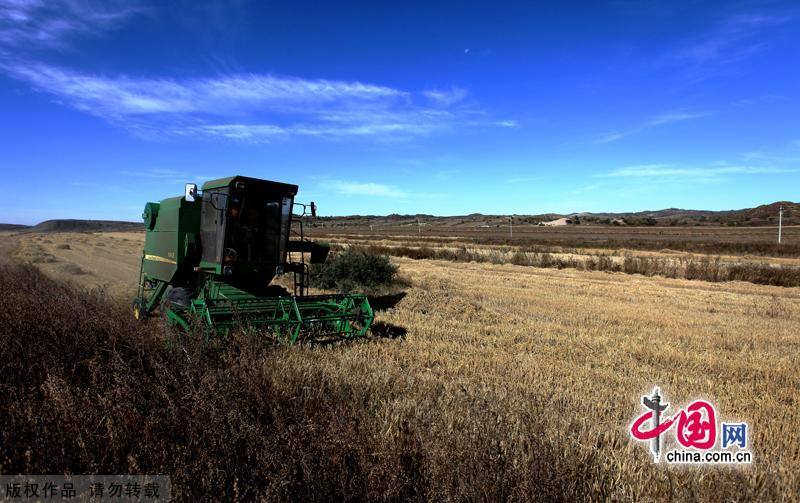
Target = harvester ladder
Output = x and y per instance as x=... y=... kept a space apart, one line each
x=301 y=279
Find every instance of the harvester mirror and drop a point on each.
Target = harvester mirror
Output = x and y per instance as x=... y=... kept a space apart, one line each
x=191 y=192
x=313 y=209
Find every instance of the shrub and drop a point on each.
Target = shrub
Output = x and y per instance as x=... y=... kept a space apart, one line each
x=703 y=269
x=353 y=269
x=520 y=258
x=545 y=260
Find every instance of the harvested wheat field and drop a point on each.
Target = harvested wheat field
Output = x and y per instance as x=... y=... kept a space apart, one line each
x=481 y=381
x=108 y=260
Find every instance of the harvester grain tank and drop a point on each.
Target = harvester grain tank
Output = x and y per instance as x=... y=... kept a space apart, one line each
x=210 y=257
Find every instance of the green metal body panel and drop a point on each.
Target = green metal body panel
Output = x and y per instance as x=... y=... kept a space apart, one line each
x=218 y=183
x=171 y=239
x=230 y=289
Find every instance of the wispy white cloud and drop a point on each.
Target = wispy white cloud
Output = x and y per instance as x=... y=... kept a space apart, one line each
x=732 y=40
x=249 y=133
x=153 y=173
x=656 y=121
x=787 y=153
x=524 y=179
x=272 y=107
x=446 y=98
x=379 y=123
x=244 y=107
x=729 y=42
x=662 y=171
x=611 y=137
x=506 y=123
x=350 y=188
x=165 y=175
x=30 y=24
x=375 y=189
x=670 y=117
x=759 y=100
x=445 y=174
x=589 y=189
x=112 y=97
x=757 y=155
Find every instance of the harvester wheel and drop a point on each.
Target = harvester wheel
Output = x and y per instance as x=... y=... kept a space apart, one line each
x=138 y=311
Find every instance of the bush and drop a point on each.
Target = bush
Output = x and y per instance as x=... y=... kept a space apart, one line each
x=353 y=269
x=520 y=258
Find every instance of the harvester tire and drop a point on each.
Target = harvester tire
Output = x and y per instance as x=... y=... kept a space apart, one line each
x=139 y=313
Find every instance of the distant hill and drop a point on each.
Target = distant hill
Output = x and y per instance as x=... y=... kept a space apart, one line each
x=766 y=214
x=763 y=215
x=84 y=226
x=12 y=227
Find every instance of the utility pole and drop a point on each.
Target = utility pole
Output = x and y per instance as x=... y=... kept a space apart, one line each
x=511 y=226
x=780 y=223
x=419 y=227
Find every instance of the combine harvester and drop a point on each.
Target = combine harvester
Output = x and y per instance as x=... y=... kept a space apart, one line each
x=209 y=258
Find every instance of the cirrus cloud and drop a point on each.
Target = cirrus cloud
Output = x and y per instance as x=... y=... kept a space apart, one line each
x=446 y=98
x=710 y=173
x=244 y=107
x=656 y=121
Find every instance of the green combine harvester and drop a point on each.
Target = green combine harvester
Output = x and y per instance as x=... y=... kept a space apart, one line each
x=209 y=258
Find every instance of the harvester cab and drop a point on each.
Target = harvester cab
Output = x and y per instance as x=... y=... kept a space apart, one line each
x=210 y=258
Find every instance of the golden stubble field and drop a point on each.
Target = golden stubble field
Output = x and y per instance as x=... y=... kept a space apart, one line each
x=506 y=370
x=108 y=260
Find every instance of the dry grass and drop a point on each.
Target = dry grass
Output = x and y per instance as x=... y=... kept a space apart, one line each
x=703 y=268
x=760 y=241
x=510 y=383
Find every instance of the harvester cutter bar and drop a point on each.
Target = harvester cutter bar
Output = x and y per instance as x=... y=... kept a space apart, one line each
x=345 y=315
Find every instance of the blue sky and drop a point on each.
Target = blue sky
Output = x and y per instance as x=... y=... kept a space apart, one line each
x=400 y=107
